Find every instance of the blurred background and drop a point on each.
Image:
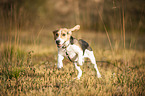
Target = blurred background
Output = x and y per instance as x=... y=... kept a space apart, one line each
x=28 y=21
x=115 y=29
x=90 y=14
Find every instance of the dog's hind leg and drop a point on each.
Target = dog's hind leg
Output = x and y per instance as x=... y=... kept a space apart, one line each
x=93 y=61
x=79 y=70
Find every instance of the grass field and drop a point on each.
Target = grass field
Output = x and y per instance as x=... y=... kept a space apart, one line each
x=28 y=65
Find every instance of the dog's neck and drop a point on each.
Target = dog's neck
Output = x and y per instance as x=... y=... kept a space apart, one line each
x=69 y=42
x=66 y=44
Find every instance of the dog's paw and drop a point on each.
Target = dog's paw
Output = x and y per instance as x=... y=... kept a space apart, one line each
x=77 y=78
x=99 y=76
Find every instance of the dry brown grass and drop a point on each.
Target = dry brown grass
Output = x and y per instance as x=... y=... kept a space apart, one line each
x=28 y=67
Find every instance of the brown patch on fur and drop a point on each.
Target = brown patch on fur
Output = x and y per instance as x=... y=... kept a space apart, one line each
x=65 y=33
x=54 y=33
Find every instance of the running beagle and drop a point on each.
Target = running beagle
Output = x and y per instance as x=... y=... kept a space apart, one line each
x=73 y=49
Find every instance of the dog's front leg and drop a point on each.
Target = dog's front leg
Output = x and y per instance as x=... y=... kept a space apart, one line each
x=59 y=61
x=80 y=58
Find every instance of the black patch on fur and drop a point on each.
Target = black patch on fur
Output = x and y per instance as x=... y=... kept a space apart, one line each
x=84 y=45
x=71 y=40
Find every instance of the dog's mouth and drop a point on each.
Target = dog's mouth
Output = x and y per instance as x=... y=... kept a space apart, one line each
x=59 y=45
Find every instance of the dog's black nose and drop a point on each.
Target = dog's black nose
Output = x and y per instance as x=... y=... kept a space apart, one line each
x=57 y=42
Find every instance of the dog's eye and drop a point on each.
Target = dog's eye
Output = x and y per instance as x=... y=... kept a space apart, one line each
x=63 y=34
x=56 y=34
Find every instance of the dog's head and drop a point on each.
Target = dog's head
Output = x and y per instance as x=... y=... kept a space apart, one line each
x=63 y=35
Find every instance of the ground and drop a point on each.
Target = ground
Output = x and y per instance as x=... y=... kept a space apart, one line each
x=28 y=65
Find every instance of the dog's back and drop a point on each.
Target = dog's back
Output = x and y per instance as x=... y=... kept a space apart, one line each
x=83 y=44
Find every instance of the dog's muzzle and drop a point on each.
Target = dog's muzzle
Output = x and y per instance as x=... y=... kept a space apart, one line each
x=58 y=43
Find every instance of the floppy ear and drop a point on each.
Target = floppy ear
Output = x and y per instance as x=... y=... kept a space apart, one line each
x=77 y=27
x=55 y=31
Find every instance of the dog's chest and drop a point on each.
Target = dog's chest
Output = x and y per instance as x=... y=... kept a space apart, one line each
x=71 y=52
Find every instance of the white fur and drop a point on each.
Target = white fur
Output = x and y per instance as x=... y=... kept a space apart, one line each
x=76 y=54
